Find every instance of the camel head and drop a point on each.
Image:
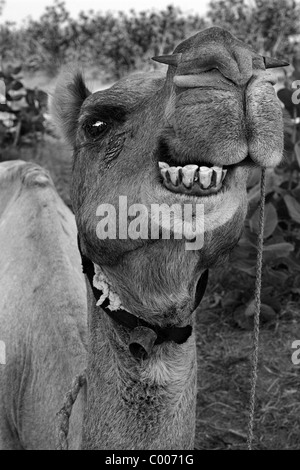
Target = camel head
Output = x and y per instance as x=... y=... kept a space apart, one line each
x=183 y=138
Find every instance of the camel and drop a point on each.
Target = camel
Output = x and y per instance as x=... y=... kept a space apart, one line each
x=184 y=138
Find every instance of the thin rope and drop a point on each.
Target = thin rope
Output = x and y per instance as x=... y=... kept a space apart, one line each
x=63 y=416
x=257 y=295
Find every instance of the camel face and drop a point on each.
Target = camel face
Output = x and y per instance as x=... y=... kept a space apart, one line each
x=187 y=138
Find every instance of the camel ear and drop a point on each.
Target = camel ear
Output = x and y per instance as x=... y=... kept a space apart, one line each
x=70 y=92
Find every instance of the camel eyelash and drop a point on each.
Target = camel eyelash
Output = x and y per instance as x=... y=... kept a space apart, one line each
x=95 y=128
x=106 y=113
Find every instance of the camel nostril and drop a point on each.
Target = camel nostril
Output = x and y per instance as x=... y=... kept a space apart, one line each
x=138 y=351
x=141 y=342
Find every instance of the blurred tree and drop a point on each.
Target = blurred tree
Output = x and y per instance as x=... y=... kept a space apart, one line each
x=2 y=3
x=50 y=37
x=267 y=25
x=120 y=43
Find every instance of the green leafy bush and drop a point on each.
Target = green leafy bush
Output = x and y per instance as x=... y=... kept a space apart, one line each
x=117 y=43
x=281 y=255
x=22 y=110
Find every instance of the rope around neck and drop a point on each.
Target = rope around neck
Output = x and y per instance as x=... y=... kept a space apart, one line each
x=257 y=295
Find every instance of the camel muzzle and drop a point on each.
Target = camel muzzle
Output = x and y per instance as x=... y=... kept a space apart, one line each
x=221 y=90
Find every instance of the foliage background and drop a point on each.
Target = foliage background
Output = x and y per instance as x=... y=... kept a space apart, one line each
x=123 y=42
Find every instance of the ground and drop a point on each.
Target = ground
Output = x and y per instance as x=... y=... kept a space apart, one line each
x=224 y=352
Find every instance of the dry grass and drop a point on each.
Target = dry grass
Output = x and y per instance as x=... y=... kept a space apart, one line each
x=223 y=355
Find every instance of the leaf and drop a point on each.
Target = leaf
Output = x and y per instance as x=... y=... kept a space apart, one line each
x=246 y=266
x=17 y=96
x=250 y=237
x=16 y=70
x=293 y=207
x=267 y=312
x=232 y=299
x=272 y=183
x=279 y=250
x=4 y=108
x=7 y=116
x=254 y=177
x=280 y=276
x=15 y=85
x=243 y=252
x=244 y=317
x=254 y=194
x=270 y=220
x=288 y=125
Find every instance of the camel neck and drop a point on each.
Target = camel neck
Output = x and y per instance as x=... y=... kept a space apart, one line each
x=134 y=404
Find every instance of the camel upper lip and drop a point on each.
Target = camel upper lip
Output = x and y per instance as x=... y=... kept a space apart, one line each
x=164 y=153
x=173 y=161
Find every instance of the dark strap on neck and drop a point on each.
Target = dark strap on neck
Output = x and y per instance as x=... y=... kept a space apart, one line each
x=174 y=333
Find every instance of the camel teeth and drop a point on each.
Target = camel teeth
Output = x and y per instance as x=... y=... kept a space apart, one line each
x=223 y=174
x=189 y=175
x=163 y=165
x=174 y=172
x=191 y=167
x=217 y=175
x=165 y=174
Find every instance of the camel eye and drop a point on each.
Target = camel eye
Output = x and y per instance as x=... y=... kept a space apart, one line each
x=95 y=128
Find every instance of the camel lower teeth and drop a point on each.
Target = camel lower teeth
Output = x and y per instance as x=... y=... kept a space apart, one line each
x=174 y=175
x=217 y=175
x=192 y=177
x=205 y=175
